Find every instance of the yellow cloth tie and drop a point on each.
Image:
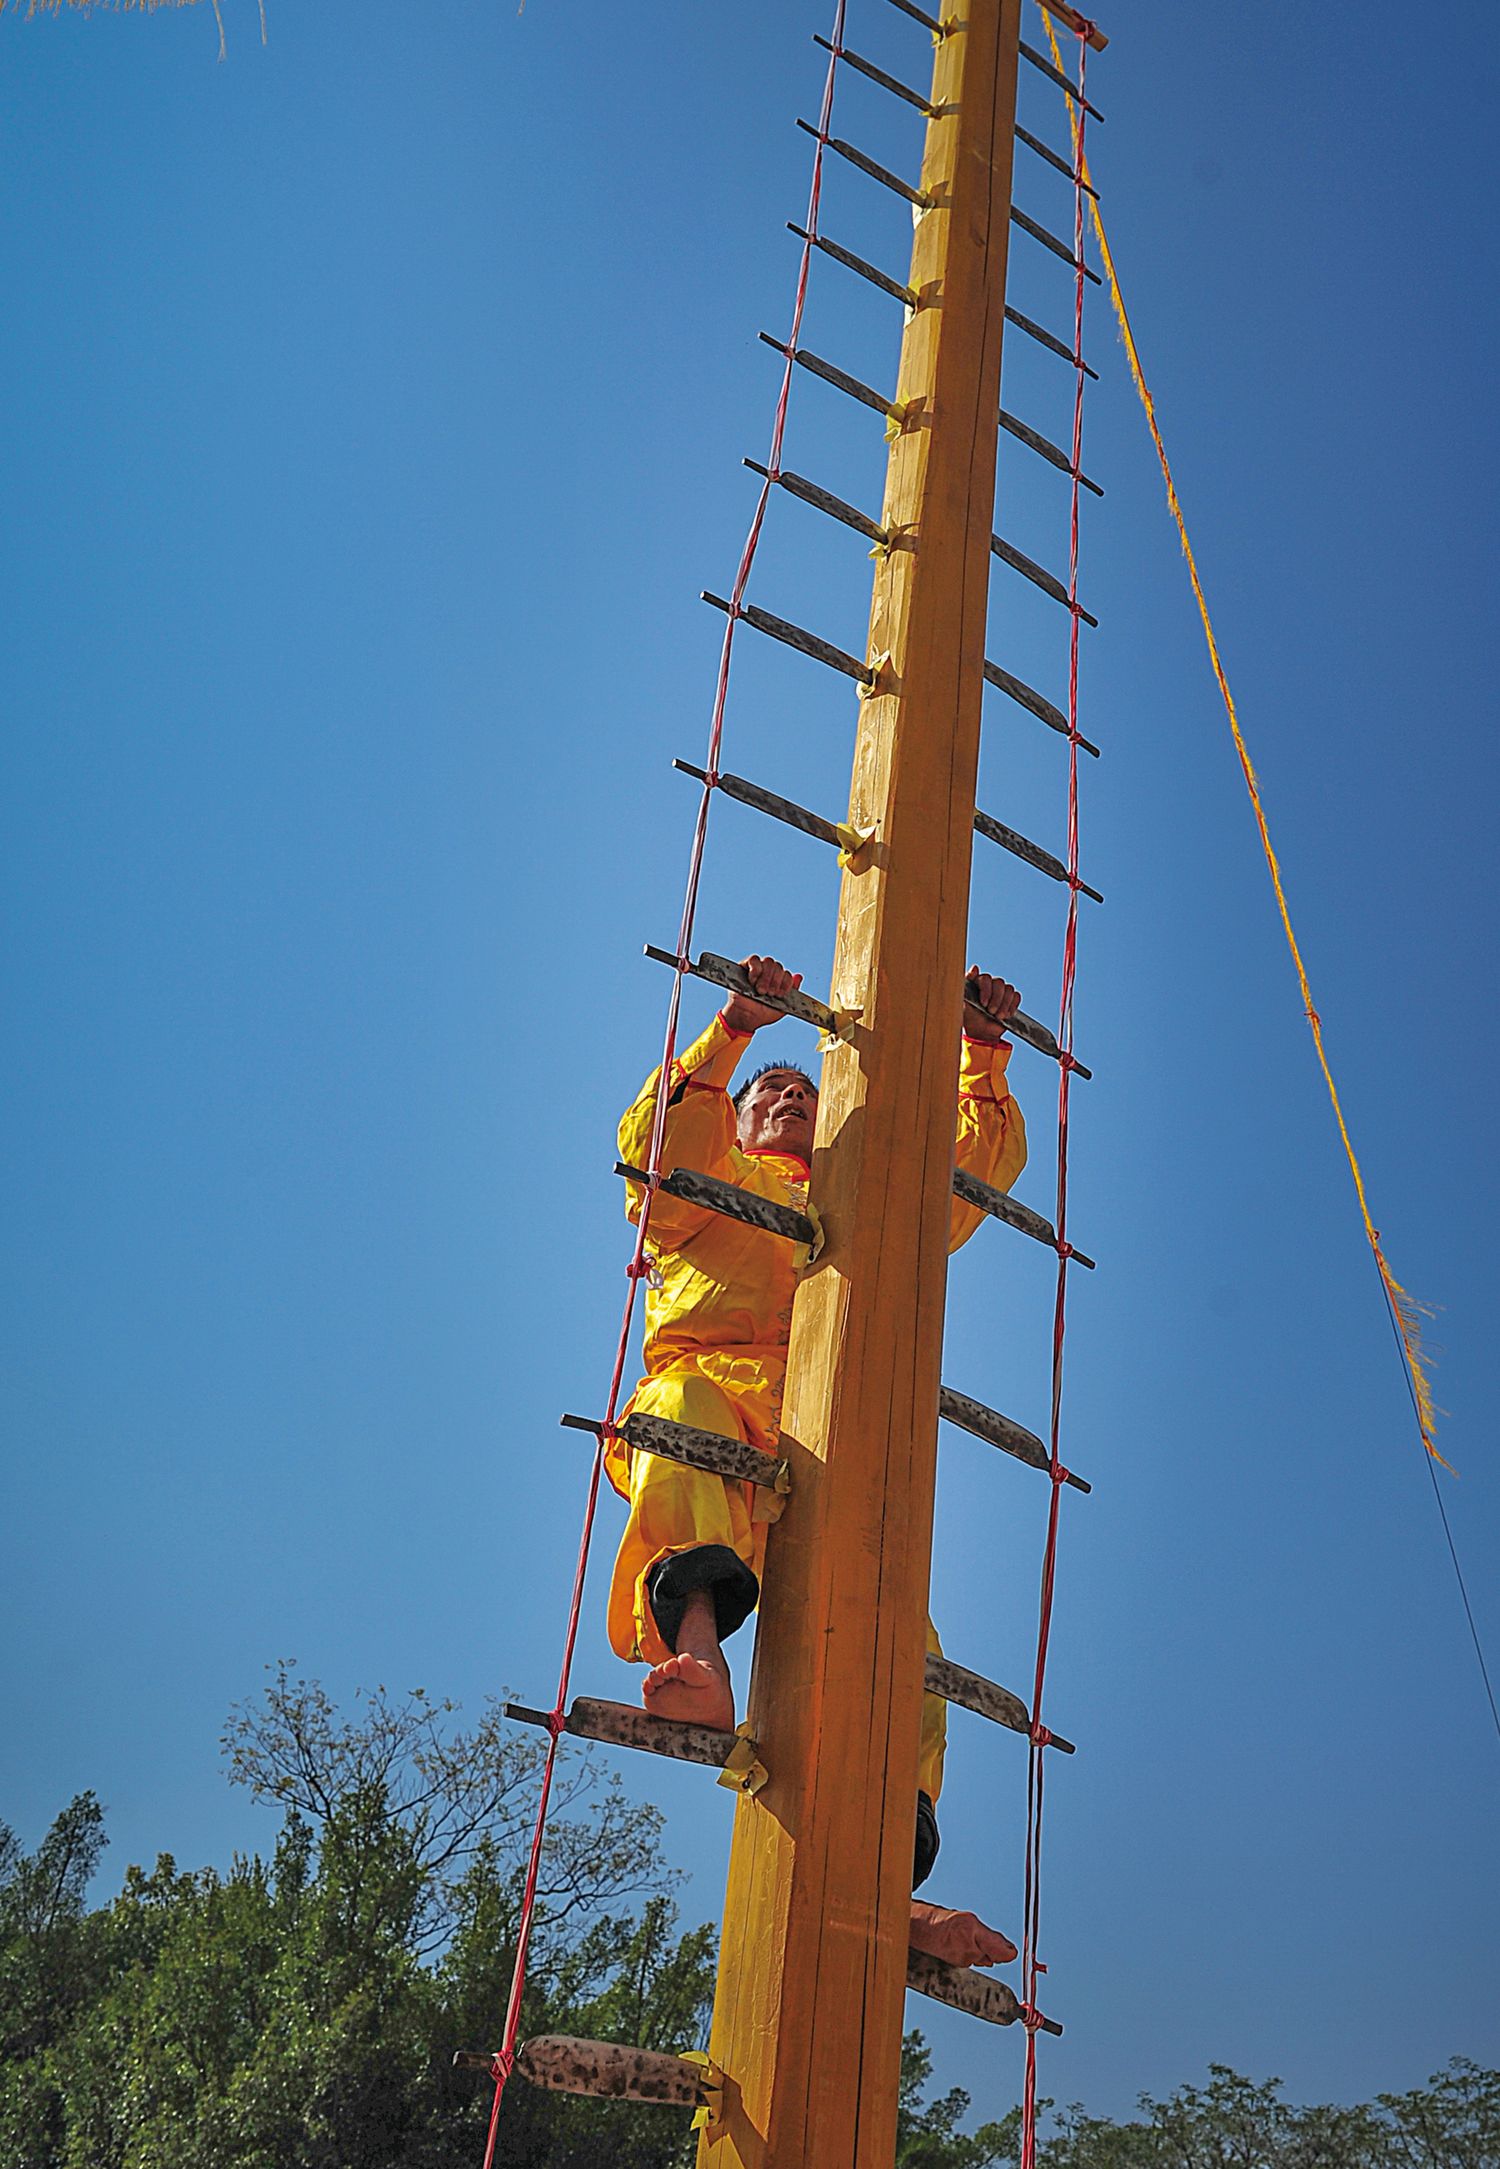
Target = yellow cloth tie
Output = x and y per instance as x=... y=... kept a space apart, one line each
x=706 y=2117
x=743 y=1771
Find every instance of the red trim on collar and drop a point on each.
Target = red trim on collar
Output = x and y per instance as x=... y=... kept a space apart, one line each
x=774 y=1152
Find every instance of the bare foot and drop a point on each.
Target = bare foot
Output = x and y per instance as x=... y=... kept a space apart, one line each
x=691 y=1692
x=959 y=1939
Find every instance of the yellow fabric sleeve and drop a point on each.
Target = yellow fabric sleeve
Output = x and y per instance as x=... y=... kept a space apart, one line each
x=700 y=1130
x=991 y=1140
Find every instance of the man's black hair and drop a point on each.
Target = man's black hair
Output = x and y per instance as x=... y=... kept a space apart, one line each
x=791 y=1068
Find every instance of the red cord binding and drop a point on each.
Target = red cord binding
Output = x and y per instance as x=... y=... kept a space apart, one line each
x=1031 y=1965
x=638 y=1269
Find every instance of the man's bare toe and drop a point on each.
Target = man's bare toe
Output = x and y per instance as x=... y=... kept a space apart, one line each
x=690 y=1692
x=957 y=1938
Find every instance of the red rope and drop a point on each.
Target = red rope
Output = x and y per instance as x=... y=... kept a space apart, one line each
x=505 y=2056
x=1031 y=1965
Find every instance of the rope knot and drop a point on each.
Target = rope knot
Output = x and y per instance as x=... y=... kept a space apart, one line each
x=1040 y=1736
x=1060 y=1475
x=557 y=1724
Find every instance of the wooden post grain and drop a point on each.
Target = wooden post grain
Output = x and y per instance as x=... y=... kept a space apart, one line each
x=807 y=2019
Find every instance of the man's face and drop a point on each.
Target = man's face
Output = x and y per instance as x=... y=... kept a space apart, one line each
x=778 y=1113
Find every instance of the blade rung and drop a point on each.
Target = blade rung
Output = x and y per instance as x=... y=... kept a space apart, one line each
x=622 y=1724
x=812 y=493
x=1015 y=1215
x=796 y=636
x=1038 y=576
x=967 y=1990
x=693 y=1188
x=1002 y=1431
x=840 y=379
x=1062 y=81
x=1080 y=25
x=906 y=295
x=956 y=1683
x=1043 y=338
x=733 y=1458
x=920 y=15
x=772 y=803
x=1020 y=1026
x=883 y=174
x=722 y=971
x=1037 y=703
x=1050 y=241
x=1022 y=847
x=1052 y=453
x=610 y=2071
x=878 y=75
x=1045 y=150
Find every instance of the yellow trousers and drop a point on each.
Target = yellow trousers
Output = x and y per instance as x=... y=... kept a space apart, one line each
x=675 y=1509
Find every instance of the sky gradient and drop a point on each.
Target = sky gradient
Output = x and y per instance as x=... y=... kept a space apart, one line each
x=374 y=409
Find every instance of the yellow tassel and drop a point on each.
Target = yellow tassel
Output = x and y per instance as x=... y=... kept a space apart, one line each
x=1405 y=1309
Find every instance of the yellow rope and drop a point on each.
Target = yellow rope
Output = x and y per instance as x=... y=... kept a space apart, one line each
x=1406 y=1311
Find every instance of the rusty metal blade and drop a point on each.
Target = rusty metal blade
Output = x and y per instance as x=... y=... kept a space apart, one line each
x=772 y=803
x=1021 y=847
x=840 y=379
x=722 y=971
x=1054 y=455
x=564 y=2064
x=796 y=636
x=1009 y=1209
x=886 y=82
x=623 y=1724
x=1001 y=1431
x=868 y=165
x=1063 y=82
x=1045 y=150
x=1037 y=574
x=1043 y=338
x=1050 y=241
x=813 y=493
x=967 y=1990
x=904 y=294
x=728 y=1198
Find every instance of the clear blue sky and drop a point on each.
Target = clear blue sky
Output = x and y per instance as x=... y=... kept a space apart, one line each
x=373 y=408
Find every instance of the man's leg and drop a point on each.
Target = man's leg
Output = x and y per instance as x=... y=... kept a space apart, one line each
x=959 y=1938
x=688 y=1569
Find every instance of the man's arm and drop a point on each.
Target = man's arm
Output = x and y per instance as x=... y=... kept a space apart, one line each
x=991 y=1138
x=700 y=1126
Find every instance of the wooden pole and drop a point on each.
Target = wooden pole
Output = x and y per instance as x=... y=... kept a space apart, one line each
x=807 y=2019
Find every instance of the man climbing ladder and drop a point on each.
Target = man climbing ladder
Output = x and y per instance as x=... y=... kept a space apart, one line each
x=718 y=1320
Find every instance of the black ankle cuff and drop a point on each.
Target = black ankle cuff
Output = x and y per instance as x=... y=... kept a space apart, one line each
x=927 y=1842
x=714 y=1567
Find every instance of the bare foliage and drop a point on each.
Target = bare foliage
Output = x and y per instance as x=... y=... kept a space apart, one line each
x=401 y=1763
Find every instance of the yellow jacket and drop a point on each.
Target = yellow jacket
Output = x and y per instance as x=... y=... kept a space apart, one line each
x=719 y=1301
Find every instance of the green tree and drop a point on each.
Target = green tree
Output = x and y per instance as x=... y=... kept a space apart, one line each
x=927 y=2134
x=302 y=2015
x=1237 y=2123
